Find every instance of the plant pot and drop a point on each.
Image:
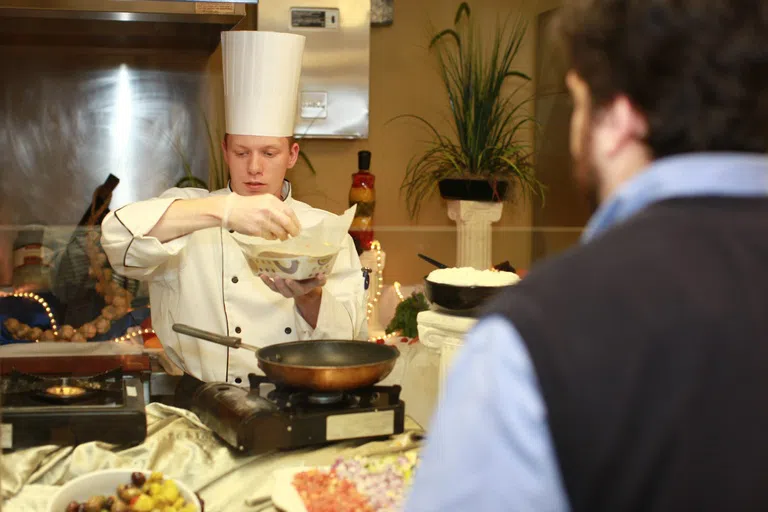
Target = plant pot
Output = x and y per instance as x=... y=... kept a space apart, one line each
x=473 y=190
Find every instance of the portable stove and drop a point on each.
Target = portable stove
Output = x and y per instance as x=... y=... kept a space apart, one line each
x=41 y=410
x=265 y=417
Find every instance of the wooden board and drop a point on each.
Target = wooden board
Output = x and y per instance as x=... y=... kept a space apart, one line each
x=79 y=365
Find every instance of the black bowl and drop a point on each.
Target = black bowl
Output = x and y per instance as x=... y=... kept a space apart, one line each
x=455 y=298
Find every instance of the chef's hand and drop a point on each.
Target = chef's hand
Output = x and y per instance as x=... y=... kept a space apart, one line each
x=291 y=289
x=264 y=216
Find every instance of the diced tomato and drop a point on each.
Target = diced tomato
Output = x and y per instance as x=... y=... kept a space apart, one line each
x=325 y=492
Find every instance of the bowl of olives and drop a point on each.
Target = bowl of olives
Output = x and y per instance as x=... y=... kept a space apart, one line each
x=124 y=490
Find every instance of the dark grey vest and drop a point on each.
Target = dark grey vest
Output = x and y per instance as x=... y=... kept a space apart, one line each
x=651 y=348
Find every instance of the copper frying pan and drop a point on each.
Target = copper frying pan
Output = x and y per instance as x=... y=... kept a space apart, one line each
x=323 y=365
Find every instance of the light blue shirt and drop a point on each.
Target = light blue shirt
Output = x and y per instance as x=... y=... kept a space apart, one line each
x=489 y=448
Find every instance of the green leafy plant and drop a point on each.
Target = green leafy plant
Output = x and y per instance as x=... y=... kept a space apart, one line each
x=406 y=312
x=218 y=173
x=486 y=121
x=305 y=158
x=303 y=154
x=189 y=179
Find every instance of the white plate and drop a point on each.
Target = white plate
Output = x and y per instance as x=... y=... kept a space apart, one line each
x=284 y=495
x=104 y=483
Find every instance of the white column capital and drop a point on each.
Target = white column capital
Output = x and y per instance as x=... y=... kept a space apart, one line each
x=436 y=327
x=474 y=211
x=473 y=231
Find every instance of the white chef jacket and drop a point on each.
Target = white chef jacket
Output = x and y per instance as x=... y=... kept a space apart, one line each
x=203 y=279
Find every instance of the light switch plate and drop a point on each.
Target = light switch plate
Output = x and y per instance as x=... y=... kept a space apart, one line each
x=314 y=105
x=314 y=18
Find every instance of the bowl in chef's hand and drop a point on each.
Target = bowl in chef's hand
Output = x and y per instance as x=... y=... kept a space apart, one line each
x=297 y=268
x=458 y=299
x=105 y=483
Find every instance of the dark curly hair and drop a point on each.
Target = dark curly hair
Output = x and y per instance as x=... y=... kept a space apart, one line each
x=697 y=69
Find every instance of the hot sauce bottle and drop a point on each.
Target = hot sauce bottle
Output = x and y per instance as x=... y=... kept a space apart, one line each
x=363 y=194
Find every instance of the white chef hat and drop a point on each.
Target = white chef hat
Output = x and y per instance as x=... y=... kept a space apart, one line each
x=261 y=81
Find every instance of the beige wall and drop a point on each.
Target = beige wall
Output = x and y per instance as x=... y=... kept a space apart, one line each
x=565 y=205
x=404 y=79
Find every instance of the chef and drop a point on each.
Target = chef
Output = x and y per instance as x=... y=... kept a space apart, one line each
x=183 y=241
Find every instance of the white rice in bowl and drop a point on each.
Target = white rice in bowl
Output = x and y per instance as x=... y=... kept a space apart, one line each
x=468 y=276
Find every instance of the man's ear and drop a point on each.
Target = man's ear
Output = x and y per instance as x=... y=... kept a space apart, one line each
x=224 y=150
x=626 y=123
x=293 y=156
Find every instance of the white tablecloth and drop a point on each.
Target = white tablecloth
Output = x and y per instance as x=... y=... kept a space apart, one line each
x=182 y=448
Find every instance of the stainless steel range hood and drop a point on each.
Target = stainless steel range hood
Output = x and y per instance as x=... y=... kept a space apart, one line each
x=176 y=24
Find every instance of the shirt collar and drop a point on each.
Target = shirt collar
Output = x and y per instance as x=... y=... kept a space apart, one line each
x=286 y=193
x=693 y=175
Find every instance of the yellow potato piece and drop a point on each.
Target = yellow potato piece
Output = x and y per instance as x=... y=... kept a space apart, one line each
x=144 y=503
x=169 y=492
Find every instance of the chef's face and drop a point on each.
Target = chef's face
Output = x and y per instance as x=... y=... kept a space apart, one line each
x=257 y=165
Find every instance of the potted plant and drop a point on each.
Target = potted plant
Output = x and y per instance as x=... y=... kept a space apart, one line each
x=484 y=155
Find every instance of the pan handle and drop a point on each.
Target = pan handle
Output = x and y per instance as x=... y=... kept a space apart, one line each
x=431 y=261
x=227 y=341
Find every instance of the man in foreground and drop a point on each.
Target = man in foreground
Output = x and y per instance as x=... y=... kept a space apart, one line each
x=630 y=373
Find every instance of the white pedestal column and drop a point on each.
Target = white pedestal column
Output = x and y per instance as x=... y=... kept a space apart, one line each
x=473 y=231
x=370 y=259
x=444 y=333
